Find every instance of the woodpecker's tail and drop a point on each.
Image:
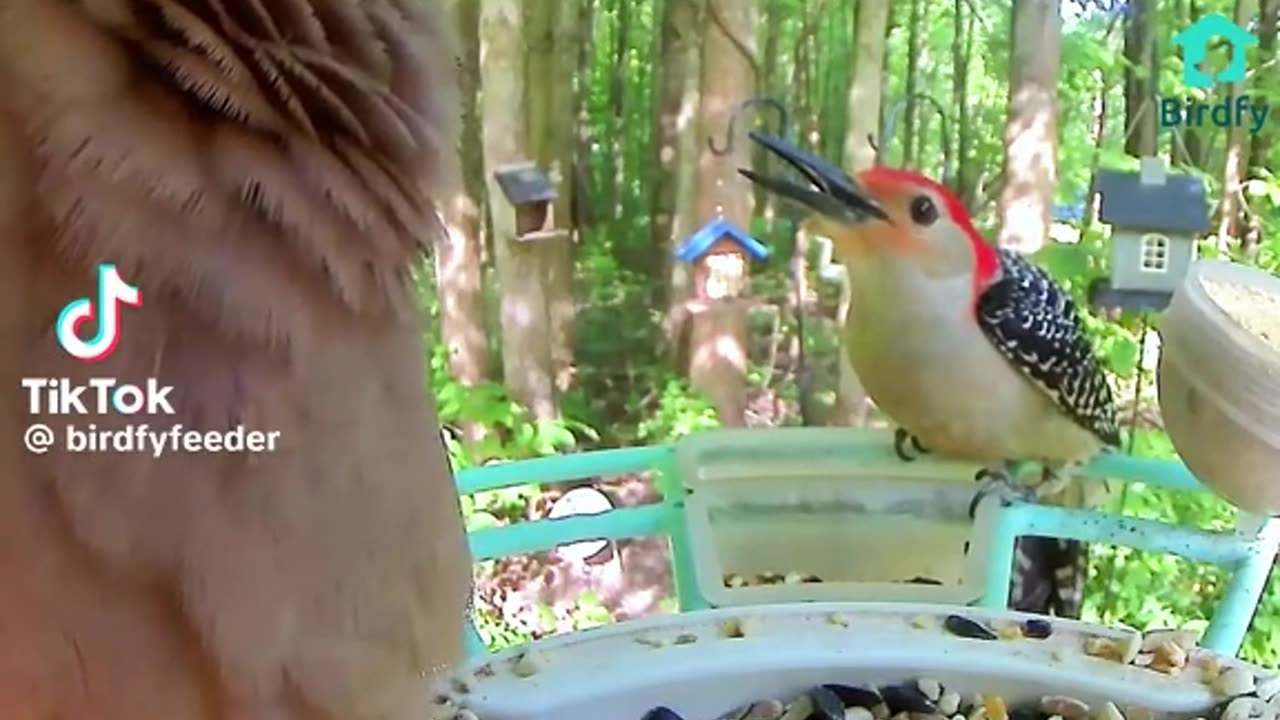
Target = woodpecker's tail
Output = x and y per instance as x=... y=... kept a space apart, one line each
x=1049 y=576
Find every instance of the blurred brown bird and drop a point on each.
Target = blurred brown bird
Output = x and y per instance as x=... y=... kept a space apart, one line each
x=264 y=171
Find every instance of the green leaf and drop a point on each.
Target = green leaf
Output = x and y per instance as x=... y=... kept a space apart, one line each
x=481 y=520
x=1123 y=356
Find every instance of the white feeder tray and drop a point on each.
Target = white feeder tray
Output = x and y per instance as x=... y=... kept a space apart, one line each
x=692 y=664
x=838 y=505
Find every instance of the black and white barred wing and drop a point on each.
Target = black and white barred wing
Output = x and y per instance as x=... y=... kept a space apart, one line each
x=1034 y=324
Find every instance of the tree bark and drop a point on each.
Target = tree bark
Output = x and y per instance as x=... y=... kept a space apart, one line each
x=1101 y=118
x=1231 y=216
x=864 y=97
x=1260 y=153
x=550 y=72
x=617 y=101
x=584 y=190
x=718 y=342
x=882 y=151
x=962 y=55
x=1100 y=111
x=871 y=22
x=1194 y=139
x=1031 y=134
x=1140 y=78
x=459 y=272
x=527 y=367
x=674 y=211
x=774 y=13
x=910 y=125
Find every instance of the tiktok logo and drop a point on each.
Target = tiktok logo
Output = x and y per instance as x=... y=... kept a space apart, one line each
x=113 y=291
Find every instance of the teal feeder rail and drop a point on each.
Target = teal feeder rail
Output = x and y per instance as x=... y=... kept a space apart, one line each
x=1246 y=553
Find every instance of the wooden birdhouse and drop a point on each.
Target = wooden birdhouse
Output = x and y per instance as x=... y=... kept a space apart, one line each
x=719 y=252
x=1155 y=218
x=530 y=195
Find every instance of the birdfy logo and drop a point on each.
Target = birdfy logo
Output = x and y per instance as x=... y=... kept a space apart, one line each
x=113 y=292
x=1230 y=110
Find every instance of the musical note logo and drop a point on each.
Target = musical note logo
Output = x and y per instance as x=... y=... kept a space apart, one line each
x=113 y=291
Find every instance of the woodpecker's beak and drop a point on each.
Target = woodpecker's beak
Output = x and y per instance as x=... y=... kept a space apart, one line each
x=830 y=192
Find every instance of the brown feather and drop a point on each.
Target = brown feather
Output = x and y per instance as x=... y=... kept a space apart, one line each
x=265 y=171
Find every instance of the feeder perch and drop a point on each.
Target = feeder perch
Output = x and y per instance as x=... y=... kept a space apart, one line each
x=529 y=193
x=719 y=250
x=1155 y=218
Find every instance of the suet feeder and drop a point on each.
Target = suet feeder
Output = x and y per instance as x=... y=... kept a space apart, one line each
x=530 y=194
x=1154 y=218
x=719 y=252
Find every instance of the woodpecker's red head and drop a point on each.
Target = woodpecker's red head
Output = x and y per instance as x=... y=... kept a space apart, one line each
x=885 y=213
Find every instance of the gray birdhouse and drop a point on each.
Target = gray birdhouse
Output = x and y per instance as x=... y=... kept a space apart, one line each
x=1155 y=219
x=529 y=194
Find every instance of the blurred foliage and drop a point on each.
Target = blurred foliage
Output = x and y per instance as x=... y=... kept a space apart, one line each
x=628 y=390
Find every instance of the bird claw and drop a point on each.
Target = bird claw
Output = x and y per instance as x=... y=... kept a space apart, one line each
x=901 y=439
x=1052 y=483
x=998 y=483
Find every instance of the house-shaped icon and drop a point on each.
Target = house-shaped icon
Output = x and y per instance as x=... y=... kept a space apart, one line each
x=1194 y=42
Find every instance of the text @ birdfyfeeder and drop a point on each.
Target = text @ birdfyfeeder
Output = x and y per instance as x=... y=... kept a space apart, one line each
x=40 y=438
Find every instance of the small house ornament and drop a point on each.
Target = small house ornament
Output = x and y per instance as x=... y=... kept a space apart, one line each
x=1155 y=218
x=530 y=194
x=723 y=250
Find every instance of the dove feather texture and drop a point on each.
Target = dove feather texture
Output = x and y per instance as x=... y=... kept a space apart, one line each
x=267 y=173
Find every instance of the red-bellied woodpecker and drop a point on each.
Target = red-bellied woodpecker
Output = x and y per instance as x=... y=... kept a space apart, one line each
x=974 y=351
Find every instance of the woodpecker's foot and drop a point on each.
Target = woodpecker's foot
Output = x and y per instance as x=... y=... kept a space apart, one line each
x=1052 y=482
x=998 y=482
x=907 y=446
x=1088 y=492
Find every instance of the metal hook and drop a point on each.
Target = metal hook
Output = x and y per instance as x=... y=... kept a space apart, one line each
x=727 y=147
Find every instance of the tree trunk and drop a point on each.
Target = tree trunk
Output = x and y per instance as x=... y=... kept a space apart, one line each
x=1140 y=78
x=871 y=21
x=459 y=272
x=550 y=73
x=909 y=121
x=805 y=114
x=584 y=190
x=1101 y=117
x=864 y=96
x=674 y=196
x=1231 y=217
x=1260 y=153
x=617 y=101
x=527 y=367
x=1100 y=111
x=774 y=13
x=966 y=178
x=718 y=334
x=1031 y=134
x=1194 y=139
x=1264 y=82
x=882 y=150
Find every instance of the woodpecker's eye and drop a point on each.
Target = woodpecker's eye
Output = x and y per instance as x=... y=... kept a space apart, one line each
x=923 y=211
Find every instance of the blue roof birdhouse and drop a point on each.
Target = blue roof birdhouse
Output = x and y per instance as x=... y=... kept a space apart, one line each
x=702 y=241
x=719 y=251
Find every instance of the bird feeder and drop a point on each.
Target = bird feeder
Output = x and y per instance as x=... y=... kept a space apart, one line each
x=1155 y=218
x=529 y=194
x=719 y=252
